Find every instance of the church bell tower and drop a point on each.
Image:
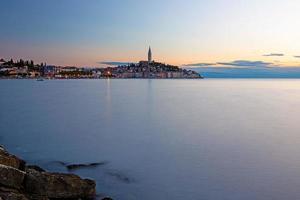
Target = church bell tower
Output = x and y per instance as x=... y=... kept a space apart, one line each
x=149 y=55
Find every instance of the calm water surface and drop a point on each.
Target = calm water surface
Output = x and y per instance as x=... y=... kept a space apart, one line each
x=162 y=139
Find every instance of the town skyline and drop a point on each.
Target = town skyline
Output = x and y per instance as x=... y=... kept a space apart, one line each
x=144 y=69
x=194 y=33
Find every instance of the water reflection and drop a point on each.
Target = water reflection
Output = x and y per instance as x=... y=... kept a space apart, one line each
x=177 y=139
x=108 y=101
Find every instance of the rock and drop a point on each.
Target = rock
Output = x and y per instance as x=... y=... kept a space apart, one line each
x=61 y=163
x=11 y=177
x=36 y=197
x=119 y=176
x=11 y=160
x=107 y=198
x=21 y=182
x=35 y=167
x=58 y=186
x=73 y=167
x=11 y=194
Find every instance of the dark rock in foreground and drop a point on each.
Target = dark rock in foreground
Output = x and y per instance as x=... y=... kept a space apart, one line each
x=58 y=186
x=11 y=194
x=21 y=182
x=11 y=160
x=11 y=177
x=35 y=167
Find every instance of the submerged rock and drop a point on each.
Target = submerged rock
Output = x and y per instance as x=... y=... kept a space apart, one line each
x=73 y=167
x=107 y=198
x=119 y=176
x=57 y=163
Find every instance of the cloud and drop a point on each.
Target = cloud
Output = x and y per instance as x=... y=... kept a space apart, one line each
x=233 y=64
x=113 y=63
x=246 y=63
x=199 y=64
x=274 y=55
x=296 y=56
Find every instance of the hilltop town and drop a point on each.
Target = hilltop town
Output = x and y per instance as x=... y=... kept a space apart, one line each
x=143 y=69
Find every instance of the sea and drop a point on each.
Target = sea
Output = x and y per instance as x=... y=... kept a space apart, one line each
x=211 y=139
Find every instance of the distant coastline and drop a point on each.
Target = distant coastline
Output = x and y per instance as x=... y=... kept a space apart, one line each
x=154 y=70
x=143 y=70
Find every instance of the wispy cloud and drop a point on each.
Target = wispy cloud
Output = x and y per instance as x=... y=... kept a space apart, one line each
x=113 y=63
x=246 y=63
x=274 y=55
x=296 y=56
x=234 y=64
x=199 y=64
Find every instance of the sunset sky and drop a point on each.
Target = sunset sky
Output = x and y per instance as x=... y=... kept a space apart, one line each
x=86 y=33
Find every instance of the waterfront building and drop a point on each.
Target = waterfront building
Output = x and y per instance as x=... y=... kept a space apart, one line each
x=2 y=62
x=69 y=69
x=34 y=74
x=49 y=71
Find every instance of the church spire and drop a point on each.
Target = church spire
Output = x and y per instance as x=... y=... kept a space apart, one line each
x=149 y=55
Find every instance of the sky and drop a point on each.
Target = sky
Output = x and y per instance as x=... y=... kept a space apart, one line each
x=192 y=32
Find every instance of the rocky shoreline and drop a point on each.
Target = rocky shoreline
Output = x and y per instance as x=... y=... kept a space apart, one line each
x=19 y=181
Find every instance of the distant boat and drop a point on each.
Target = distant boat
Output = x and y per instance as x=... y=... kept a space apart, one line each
x=40 y=79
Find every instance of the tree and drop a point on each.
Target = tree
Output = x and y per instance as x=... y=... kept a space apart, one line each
x=21 y=63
